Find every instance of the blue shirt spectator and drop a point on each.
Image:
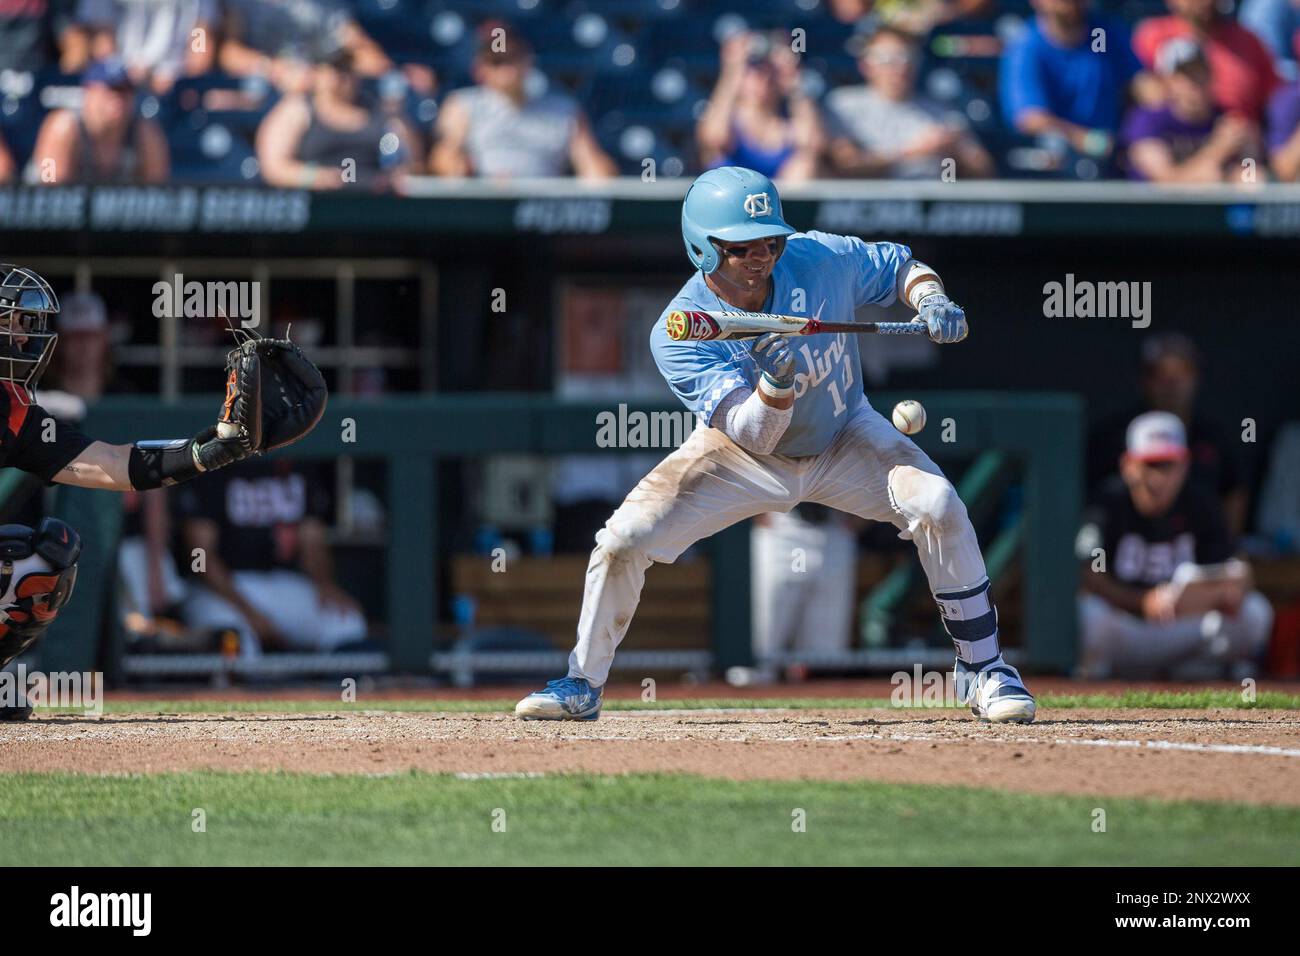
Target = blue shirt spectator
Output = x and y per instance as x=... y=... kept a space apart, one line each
x=1053 y=81
x=1275 y=22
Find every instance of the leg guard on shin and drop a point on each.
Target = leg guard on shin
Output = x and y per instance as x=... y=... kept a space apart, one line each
x=971 y=621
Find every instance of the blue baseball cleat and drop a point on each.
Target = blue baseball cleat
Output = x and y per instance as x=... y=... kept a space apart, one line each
x=569 y=698
x=996 y=694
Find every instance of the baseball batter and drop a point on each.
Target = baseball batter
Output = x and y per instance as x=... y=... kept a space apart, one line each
x=779 y=426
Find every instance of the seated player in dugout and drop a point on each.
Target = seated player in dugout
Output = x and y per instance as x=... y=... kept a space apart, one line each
x=38 y=567
x=1148 y=521
x=268 y=572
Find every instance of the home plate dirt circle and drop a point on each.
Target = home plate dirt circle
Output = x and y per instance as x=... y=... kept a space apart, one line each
x=1249 y=756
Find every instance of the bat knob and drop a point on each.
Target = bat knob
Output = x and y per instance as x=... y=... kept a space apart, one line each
x=677 y=326
x=694 y=326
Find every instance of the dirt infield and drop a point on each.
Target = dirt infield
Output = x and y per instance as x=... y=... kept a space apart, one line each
x=1230 y=755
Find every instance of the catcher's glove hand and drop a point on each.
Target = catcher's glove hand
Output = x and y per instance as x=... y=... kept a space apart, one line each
x=274 y=396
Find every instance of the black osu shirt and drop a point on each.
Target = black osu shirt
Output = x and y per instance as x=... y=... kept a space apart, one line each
x=1144 y=551
x=32 y=440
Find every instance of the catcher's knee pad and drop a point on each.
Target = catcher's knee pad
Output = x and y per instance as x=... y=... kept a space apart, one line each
x=38 y=569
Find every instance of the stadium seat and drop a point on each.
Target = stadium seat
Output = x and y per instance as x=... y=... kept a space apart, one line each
x=21 y=115
x=403 y=32
x=206 y=150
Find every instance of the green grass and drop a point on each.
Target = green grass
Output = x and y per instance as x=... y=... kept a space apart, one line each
x=419 y=818
x=1192 y=700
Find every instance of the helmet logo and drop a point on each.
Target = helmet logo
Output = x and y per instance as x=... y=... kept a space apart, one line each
x=758 y=204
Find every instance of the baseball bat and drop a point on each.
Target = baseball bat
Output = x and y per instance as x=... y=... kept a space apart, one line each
x=704 y=326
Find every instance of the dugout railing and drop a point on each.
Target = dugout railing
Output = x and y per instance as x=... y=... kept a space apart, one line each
x=1042 y=432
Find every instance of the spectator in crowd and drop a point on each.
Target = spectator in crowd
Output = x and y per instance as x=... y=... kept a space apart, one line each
x=885 y=128
x=7 y=166
x=1284 y=133
x=1187 y=139
x=280 y=39
x=1276 y=23
x=500 y=128
x=759 y=115
x=1170 y=379
x=915 y=16
x=36 y=34
x=1067 y=76
x=1148 y=522
x=155 y=39
x=107 y=142
x=266 y=568
x=330 y=138
x=803 y=573
x=1241 y=67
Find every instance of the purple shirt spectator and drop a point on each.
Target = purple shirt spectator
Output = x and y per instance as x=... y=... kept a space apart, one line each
x=1283 y=115
x=1182 y=137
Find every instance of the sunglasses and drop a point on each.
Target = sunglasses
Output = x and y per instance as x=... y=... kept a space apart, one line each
x=774 y=247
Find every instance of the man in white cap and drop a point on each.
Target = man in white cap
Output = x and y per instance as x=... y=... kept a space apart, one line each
x=1147 y=523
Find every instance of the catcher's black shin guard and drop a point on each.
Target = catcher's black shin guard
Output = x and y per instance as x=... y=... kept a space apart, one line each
x=38 y=570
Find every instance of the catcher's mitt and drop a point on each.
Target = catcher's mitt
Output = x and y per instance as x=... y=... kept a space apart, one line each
x=274 y=396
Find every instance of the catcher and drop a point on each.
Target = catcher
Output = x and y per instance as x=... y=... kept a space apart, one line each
x=274 y=396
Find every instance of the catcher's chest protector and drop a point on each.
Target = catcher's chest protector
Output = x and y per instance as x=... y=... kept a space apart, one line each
x=38 y=569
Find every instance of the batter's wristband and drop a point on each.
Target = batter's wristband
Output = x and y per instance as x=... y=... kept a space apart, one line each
x=160 y=464
x=773 y=390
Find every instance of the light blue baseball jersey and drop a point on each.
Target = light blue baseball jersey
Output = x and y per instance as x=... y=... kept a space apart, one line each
x=821 y=276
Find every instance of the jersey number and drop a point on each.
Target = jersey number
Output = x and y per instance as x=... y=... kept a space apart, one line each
x=840 y=407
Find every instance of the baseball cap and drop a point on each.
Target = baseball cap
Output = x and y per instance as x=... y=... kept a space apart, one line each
x=109 y=71
x=82 y=312
x=1176 y=53
x=1157 y=436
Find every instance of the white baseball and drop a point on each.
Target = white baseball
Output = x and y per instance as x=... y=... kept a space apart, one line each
x=909 y=416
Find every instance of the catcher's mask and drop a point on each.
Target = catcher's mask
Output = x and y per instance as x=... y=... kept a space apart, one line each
x=27 y=306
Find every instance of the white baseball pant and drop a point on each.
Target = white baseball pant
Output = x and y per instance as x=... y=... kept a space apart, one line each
x=803 y=576
x=1115 y=643
x=710 y=483
x=288 y=600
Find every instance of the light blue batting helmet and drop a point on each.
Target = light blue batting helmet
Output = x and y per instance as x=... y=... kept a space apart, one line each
x=731 y=204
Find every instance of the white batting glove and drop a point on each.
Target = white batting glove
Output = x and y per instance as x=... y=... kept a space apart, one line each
x=774 y=359
x=943 y=319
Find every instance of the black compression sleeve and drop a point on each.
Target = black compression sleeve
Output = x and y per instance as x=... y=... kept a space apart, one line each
x=159 y=464
x=44 y=446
